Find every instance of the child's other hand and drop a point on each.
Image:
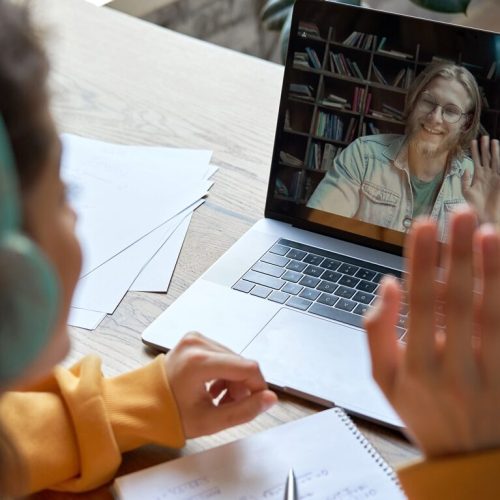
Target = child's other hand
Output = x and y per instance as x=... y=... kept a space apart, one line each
x=199 y=371
x=445 y=382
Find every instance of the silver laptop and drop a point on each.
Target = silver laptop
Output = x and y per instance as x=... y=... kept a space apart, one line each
x=291 y=293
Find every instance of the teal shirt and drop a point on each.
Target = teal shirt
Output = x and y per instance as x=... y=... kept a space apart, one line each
x=424 y=194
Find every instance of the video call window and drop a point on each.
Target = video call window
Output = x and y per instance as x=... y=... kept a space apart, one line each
x=349 y=78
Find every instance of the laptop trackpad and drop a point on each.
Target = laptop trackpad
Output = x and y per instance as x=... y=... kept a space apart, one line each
x=326 y=361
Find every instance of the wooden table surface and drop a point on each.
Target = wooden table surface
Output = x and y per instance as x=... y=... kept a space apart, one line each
x=120 y=79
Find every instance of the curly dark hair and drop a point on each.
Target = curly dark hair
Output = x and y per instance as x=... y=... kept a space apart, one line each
x=24 y=69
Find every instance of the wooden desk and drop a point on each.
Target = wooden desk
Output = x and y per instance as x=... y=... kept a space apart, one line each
x=119 y=79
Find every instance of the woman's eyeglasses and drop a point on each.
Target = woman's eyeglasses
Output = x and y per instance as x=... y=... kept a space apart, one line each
x=427 y=104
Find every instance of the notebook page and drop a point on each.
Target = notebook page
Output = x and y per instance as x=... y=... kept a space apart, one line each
x=330 y=458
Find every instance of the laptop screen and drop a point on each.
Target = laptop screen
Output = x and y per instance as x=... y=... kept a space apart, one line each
x=376 y=119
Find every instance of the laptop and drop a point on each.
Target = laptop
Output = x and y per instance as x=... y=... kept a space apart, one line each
x=291 y=293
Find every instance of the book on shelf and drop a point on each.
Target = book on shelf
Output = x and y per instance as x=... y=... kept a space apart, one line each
x=313 y=160
x=301 y=91
x=329 y=126
x=382 y=43
x=351 y=130
x=378 y=75
x=295 y=190
x=388 y=113
x=372 y=128
x=399 y=77
x=330 y=152
x=280 y=188
x=408 y=78
x=394 y=112
x=301 y=59
x=288 y=124
x=336 y=102
x=395 y=53
x=290 y=160
x=492 y=70
x=308 y=29
x=313 y=58
x=361 y=40
x=361 y=99
x=344 y=66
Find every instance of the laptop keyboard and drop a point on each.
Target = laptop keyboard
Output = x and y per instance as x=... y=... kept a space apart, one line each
x=320 y=282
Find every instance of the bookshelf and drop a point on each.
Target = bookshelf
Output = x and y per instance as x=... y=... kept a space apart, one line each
x=346 y=85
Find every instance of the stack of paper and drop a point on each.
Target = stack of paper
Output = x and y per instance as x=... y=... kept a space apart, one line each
x=134 y=205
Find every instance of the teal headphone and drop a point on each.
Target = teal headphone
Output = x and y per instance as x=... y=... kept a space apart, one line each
x=29 y=290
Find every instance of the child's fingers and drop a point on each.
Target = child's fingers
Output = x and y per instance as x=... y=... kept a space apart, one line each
x=380 y=324
x=458 y=294
x=230 y=367
x=239 y=412
x=422 y=288
x=489 y=311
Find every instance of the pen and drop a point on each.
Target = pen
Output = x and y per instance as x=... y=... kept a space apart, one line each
x=291 y=487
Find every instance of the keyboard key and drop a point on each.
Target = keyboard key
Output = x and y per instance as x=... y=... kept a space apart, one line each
x=263 y=279
x=243 y=286
x=348 y=269
x=327 y=286
x=309 y=281
x=377 y=278
x=345 y=292
x=270 y=269
x=330 y=264
x=277 y=260
x=402 y=322
x=296 y=254
x=345 y=305
x=313 y=259
x=365 y=274
x=327 y=299
x=279 y=249
x=366 y=286
x=279 y=297
x=295 y=265
x=298 y=303
x=348 y=281
x=363 y=297
x=313 y=271
x=332 y=276
x=261 y=291
x=292 y=276
x=361 y=309
x=292 y=288
x=310 y=294
x=336 y=314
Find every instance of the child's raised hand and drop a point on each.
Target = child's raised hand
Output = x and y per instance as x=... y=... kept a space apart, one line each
x=199 y=371
x=445 y=383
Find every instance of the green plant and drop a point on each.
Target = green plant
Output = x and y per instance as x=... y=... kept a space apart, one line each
x=276 y=15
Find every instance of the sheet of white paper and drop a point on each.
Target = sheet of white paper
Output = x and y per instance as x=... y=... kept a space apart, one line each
x=157 y=273
x=104 y=288
x=83 y=318
x=329 y=460
x=122 y=193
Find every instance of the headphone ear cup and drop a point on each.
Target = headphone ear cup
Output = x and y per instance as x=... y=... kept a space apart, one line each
x=29 y=295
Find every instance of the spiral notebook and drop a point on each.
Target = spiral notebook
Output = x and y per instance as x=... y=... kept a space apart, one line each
x=330 y=457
